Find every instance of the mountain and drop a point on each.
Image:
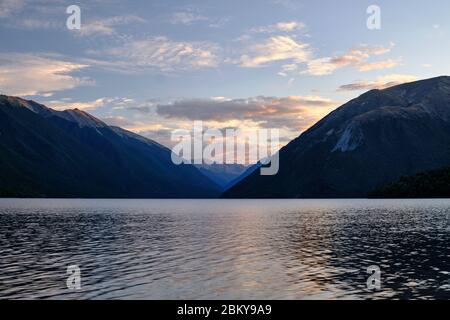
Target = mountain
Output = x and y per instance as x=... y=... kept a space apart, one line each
x=368 y=142
x=430 y=184
x=49 y=153
x=248 y=171
x=222 y=174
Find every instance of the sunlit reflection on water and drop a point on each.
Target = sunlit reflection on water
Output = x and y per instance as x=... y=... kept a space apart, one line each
x=225 y=249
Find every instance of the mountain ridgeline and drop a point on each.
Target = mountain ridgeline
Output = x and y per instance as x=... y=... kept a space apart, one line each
x=48 y=153
x=365 y=144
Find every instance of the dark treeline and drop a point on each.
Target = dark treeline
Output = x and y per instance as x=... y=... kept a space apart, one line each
x=430 y=184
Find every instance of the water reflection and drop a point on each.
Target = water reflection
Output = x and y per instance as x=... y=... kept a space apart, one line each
x=222 y=249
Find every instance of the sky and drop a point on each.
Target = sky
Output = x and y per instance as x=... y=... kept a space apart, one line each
x=154 y=66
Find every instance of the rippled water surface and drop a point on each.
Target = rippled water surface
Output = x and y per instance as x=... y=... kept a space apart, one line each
x=224 y=249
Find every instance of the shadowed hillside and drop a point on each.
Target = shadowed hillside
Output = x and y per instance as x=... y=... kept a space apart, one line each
x=48 y=153
x=430 y=184
x=368 y=142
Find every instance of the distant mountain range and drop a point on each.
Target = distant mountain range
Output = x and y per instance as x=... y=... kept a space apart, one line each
x=358 y=150
x=48 y=153
x=224 y=175
x=368 y=142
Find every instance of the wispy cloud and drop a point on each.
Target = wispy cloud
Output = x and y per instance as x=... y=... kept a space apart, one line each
x=299 y=54
x=28 y=74
x=190 y=17
x=81 y=105
x=378 y=65
x=379 y=83
x=119 y=121
x=110 y=104
x=159 y=53
x=32 y=23
x=33 y=14
x=287 y=26
x=187 y=17
x=107 y=26
x=9 y=7
x=277 y=48
x=356 y=57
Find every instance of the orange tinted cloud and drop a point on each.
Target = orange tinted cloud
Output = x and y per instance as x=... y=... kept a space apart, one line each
x=379 y=83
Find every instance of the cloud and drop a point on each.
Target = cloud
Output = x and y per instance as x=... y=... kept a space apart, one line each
x=378 y=65
x=144 y=108
x=68 y=104
x=218 y=23
x=159 y=53
x=297 y=53
x=295 y=112
x=33 y=14
x=162 y=136
x=150 y=129
x=8 y=7
x=27 y=74
x=118 y=121
x=114 y=103
x=107 y=26
x=355 y=57
x=322 y=66
x=190 y=17
x=186 y=18
x=379 y=83
x=31 y=23
x=277 y=48
x=288 y=26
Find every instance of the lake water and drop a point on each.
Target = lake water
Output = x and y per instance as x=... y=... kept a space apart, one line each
x=224 y=249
